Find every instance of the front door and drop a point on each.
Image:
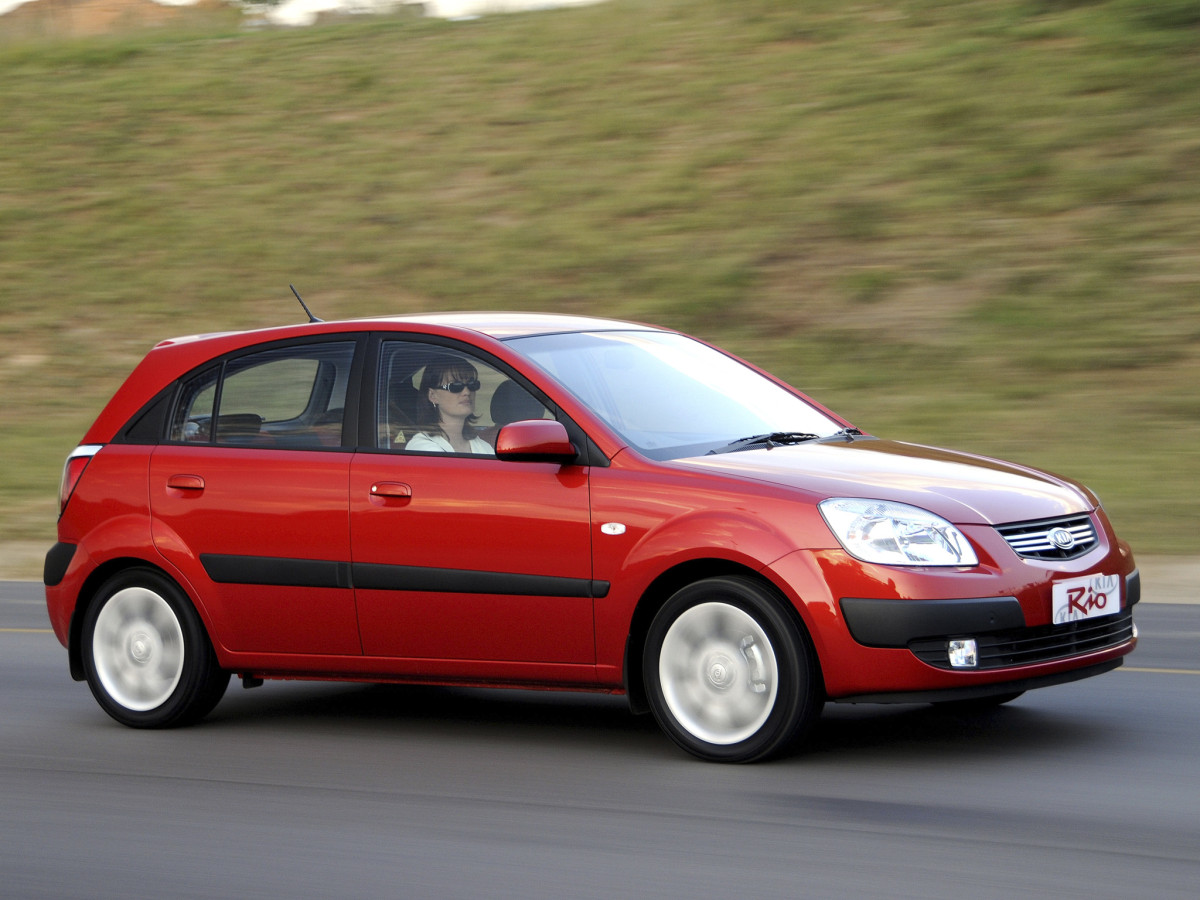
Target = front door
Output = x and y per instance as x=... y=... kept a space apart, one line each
x=477 y=567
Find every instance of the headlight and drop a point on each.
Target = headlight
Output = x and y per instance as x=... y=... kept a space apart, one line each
x=895 y=534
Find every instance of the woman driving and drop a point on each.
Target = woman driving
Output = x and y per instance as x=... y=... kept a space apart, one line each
x=446 y=409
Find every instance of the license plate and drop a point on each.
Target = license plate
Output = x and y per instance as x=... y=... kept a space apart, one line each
x=1088 y=597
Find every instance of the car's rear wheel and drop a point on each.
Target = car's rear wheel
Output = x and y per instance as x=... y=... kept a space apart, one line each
x=147 y=657
x=729 y=676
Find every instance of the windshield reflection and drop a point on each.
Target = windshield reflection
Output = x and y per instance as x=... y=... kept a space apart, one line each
x=669 y=395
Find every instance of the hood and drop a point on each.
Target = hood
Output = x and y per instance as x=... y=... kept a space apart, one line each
x=960 y=487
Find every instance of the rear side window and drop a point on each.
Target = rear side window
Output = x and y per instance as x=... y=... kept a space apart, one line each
x=288 y=397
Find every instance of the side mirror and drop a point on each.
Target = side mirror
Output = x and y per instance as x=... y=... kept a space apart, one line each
x=535 y=440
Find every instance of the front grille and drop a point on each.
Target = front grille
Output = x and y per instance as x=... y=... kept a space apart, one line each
x=1026 y=646
x=1064 y=538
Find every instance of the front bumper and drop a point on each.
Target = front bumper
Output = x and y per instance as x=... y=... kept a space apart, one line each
x=997 y=624
x=890 y=641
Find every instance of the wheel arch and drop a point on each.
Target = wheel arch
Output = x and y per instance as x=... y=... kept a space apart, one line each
x=664 y=587
x=87 y=594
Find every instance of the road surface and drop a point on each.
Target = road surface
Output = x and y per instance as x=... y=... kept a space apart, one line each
x=297 y=790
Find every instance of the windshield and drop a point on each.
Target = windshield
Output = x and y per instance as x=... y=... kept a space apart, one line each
x=668 y=395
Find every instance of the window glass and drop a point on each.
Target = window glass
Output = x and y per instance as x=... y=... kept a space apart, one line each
x=670 y=396
x=289 y=397
x=193 y=413
x=276 y=390
x=435 y=399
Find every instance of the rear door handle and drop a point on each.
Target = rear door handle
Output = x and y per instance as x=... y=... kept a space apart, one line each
x=186 y=483
x=395 y=489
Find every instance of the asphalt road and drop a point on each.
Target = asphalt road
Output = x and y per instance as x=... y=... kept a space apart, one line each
x=297 y=790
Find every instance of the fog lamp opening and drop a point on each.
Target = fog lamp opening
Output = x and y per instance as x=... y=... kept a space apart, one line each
x=964 y=654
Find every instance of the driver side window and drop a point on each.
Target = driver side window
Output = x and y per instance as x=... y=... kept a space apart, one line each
x=435 y=399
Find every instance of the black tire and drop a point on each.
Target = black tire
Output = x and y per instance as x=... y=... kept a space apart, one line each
x=147 y=658
x=729 y=676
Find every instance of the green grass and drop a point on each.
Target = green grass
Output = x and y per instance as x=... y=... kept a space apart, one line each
x=969 y=223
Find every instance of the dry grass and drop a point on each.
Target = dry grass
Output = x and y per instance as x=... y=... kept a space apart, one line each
x=968 y=223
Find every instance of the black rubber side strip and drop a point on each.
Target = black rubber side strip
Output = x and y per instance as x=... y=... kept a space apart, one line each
x=272 y=570
x=266 y=570
x=380 y=577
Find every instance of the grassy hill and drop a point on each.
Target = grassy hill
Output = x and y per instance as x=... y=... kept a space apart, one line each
x=968 y=223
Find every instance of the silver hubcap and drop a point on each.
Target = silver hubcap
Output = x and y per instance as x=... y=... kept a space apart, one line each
x=718 y=673
x=138 y=649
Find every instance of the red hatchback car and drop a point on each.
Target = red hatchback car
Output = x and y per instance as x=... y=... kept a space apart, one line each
x=556 y=502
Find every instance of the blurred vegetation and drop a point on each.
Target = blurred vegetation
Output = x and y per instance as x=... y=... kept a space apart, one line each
x=975 y=224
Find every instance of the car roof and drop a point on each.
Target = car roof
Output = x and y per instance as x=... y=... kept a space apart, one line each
x=497 y=325
x=505 y=325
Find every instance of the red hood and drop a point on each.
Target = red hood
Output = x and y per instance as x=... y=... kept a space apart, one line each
x=960 y=487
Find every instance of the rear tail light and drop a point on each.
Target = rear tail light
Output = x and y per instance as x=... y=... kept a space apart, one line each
x=72 y=470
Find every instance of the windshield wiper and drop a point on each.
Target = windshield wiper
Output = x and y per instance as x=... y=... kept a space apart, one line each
x=769 y=440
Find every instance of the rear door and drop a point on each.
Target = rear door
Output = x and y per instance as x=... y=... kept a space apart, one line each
x=249 y=497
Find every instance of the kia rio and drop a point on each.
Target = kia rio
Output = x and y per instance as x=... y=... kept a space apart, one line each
x=516 y=500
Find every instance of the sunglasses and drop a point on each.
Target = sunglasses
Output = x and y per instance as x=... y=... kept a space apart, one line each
x=456 y=387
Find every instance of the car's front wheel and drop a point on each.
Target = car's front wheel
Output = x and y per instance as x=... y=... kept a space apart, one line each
x=148 y=660
x=729 y=676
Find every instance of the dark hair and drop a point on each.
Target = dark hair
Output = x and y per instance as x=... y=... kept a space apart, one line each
x=438 y=371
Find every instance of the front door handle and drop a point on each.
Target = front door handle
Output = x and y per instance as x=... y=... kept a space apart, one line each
x=392 y=489
x=185 y=483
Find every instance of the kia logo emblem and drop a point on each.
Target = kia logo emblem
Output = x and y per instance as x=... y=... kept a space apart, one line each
x=1062 y=539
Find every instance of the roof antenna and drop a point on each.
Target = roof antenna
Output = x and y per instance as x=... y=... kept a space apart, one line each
x=311 y=317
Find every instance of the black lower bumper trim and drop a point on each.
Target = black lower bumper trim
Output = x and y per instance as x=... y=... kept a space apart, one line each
x=894 y=623
x=1030 y=646
x=978 y=691
x=58 y=560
